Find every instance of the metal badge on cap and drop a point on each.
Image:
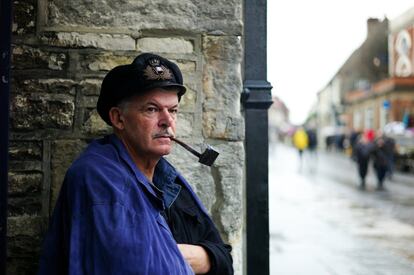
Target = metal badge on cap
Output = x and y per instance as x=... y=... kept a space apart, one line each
x=156 y=71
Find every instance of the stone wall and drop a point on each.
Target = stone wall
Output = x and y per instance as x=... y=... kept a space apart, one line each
x=62 y=50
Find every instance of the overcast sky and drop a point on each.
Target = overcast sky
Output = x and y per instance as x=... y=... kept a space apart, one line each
x=308 y=41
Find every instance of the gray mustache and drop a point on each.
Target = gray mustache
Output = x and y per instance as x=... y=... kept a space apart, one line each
x=165 y=133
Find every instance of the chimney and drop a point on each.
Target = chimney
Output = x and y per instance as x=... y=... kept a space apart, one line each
x=373 y=25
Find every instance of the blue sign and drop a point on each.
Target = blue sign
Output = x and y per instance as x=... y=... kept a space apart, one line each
x=386 y=104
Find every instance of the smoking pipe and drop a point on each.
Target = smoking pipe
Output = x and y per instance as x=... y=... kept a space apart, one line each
x=207 y=157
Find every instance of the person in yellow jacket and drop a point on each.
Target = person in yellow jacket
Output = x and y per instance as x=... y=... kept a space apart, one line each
x=300 y=140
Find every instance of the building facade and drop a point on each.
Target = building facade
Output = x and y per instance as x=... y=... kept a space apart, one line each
x=367 y=65
x=392 y=98
x=328 y=106
x=279 y=123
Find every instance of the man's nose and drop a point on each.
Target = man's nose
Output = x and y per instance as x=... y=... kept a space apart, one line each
x=166 y=118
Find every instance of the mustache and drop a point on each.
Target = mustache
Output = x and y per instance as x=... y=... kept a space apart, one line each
x=164 y=133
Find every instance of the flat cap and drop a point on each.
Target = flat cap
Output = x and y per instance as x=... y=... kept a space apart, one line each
x=148 y=71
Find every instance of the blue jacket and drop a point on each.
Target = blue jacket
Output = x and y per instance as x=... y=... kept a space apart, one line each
x=107 y=219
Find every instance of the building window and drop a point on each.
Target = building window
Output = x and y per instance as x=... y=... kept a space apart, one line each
x=357 y=120
x=383 y=119
x=369 y=118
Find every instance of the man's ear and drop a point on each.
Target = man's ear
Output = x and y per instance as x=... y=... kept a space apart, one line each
x=116 y=117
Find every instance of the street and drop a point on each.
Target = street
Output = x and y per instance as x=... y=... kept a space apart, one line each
x=322 y=224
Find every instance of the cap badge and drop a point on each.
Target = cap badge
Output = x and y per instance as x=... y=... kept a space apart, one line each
x=156 y=71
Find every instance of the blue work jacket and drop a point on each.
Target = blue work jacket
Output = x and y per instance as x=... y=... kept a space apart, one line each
x=107 y=219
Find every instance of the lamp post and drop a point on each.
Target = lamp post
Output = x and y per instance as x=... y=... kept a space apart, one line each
x=256 y=99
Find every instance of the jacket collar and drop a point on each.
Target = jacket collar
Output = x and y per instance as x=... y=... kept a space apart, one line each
x=164 y=175
x=124 y=155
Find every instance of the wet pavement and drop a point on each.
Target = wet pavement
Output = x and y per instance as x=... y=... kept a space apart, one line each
x=322 y=224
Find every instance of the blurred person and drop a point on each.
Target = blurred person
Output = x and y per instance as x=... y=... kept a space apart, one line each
x=390 y=150
x=353 y=138
x=300 y=141
x=339 y=142
x=361 y=154
x=370 y=135
x=312 y=140
x=380 y=161
x=329 y=141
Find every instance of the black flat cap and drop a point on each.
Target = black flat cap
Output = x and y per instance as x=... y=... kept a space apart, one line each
x=147 y=71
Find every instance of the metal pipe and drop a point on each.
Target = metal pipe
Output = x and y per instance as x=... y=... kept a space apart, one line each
x=5 y=49
x=191 y=150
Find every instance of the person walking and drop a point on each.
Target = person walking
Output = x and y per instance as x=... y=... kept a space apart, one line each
x=390 y=149
x=300 y=141
x=380 y=159
x=312 y=140
x=361 y=154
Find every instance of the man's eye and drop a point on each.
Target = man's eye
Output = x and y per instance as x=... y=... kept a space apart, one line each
x=174 y=111
x=152 y=110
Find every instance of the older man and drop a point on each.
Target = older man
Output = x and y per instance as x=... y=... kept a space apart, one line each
x=123 y=209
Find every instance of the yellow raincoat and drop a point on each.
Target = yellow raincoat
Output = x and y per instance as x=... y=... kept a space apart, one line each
x=300 y=139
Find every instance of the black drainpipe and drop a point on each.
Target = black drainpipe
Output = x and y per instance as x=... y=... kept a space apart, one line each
x=256 y=99
x=5 y=47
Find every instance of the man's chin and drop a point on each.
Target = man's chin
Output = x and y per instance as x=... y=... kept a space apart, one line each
x=164 y=150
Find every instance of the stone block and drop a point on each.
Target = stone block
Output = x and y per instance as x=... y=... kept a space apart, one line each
x=113 y=42
x=189 y=99
x=25 y=150
x=222 y=118
x=25 y=183
x=196 y=16
x=24 y=57
x=22 y=265
x=95 y=125
x=25 y=165
x=41 y=86
x=223 y=126
x=63 y=153
x=24 y=225
x=24 y=247
x=24 y=243
x=90 y=87
x=223 y=57
x=186 y=66
x=42 y=111
x=24 y=18
x=185 y=126
x=229 y=179
x=29 y=204
x=88 y=102
x=165 y=45
x=103 y=62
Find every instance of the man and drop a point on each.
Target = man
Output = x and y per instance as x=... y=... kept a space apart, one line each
x=361 y=154
x=380 y=160
x=390 y=150
x=123 y=209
